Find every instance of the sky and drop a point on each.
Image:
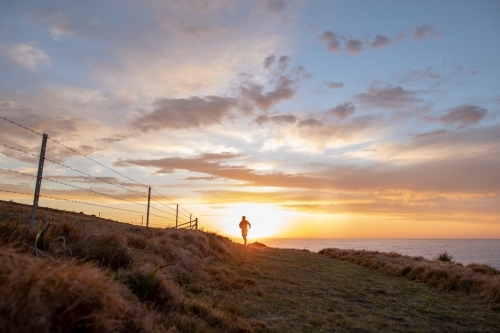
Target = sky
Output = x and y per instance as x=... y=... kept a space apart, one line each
x=332 y=119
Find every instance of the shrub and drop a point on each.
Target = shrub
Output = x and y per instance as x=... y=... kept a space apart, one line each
x=444 y=256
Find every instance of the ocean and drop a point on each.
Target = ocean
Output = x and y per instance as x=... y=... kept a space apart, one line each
x=464 y=251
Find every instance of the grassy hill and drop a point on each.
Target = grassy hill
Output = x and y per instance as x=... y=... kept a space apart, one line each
x=94 y=275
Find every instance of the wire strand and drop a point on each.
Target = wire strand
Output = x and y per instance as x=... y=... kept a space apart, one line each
x=22 y=151
x=102 y=180
x=13 y=122
x=85 y=189
x=76 y=152
x=15 y=192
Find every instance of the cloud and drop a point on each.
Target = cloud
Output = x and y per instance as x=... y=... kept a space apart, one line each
x=472 y=70
x=418 y=75
x=275 y=6
x=60 y=25
x=463 y=115
x=283 y=90
x=460 y=175
x=342 y=111
x=388 y=97
x=381 y=40
x=441 y=144
x=310 y=123
x=28 y=56
x=211 y=165
x=269 y=61
x=332 y=41
x=431 y=134
x=333 y=85
x=209 y=178
x=55 y=126
x=184 y=113
x=354 y=46
x=426 y=30
x=283 y=63
x=302 y=72
x=280 y=119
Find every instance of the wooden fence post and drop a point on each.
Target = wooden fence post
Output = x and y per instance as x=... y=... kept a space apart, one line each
x=36 y=197
x=149 y=199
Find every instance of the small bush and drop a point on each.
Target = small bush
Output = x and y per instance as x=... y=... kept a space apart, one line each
x=445 y=256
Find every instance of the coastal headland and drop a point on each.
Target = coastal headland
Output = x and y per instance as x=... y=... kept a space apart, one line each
x=75 y=272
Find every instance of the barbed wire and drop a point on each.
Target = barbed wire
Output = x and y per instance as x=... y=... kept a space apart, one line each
x=89 y=175
x=86 y=189
x=182 y=213
x=97 y=178
x=105 y=181
x=76 y=152
x=91 y=204
x=87 y=203
x=161 y=195
x=89 y=190
x=15 y=192
x=21 y=173
x=22 y=151
x=13 y=122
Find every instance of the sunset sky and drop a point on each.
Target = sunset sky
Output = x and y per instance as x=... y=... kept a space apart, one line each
x=312 y=118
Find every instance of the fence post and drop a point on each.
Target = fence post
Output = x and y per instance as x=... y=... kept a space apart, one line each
x=38 y=181
x=147 y=216
x=196 y=223
x=176 y=216
x=190 y=218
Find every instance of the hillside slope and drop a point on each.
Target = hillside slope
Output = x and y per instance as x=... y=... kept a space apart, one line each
x=100 y=276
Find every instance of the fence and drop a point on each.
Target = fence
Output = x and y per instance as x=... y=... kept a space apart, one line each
x=169 y=212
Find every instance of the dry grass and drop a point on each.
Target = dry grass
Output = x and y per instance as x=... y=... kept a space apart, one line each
x=473 y=279
x=134 y=272
x=101 y=276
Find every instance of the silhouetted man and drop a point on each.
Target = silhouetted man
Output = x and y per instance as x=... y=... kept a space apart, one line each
x=244 y=225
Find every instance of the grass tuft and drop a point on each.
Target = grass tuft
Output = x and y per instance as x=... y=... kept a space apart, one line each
x=444 y=256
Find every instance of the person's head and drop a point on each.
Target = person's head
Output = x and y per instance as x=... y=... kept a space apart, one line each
x=243 y=218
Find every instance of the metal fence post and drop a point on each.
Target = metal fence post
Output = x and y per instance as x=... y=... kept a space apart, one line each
x=176 y=216
x=149 y=199
x=38 y=181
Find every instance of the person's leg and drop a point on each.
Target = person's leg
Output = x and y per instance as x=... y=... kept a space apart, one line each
x=244 y=234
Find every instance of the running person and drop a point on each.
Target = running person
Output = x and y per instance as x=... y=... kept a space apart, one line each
x=244 y=225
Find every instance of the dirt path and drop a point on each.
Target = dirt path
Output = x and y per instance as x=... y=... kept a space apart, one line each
x=298 y=291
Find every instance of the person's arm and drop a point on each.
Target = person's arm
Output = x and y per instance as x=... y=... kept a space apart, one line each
x=249 y=225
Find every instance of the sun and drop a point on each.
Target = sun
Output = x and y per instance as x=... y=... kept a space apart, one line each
x=266 y=220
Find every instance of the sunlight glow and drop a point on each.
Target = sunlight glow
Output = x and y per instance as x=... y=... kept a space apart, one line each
x=266 y=219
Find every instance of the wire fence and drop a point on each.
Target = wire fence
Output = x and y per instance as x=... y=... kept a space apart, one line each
x=107 y=197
